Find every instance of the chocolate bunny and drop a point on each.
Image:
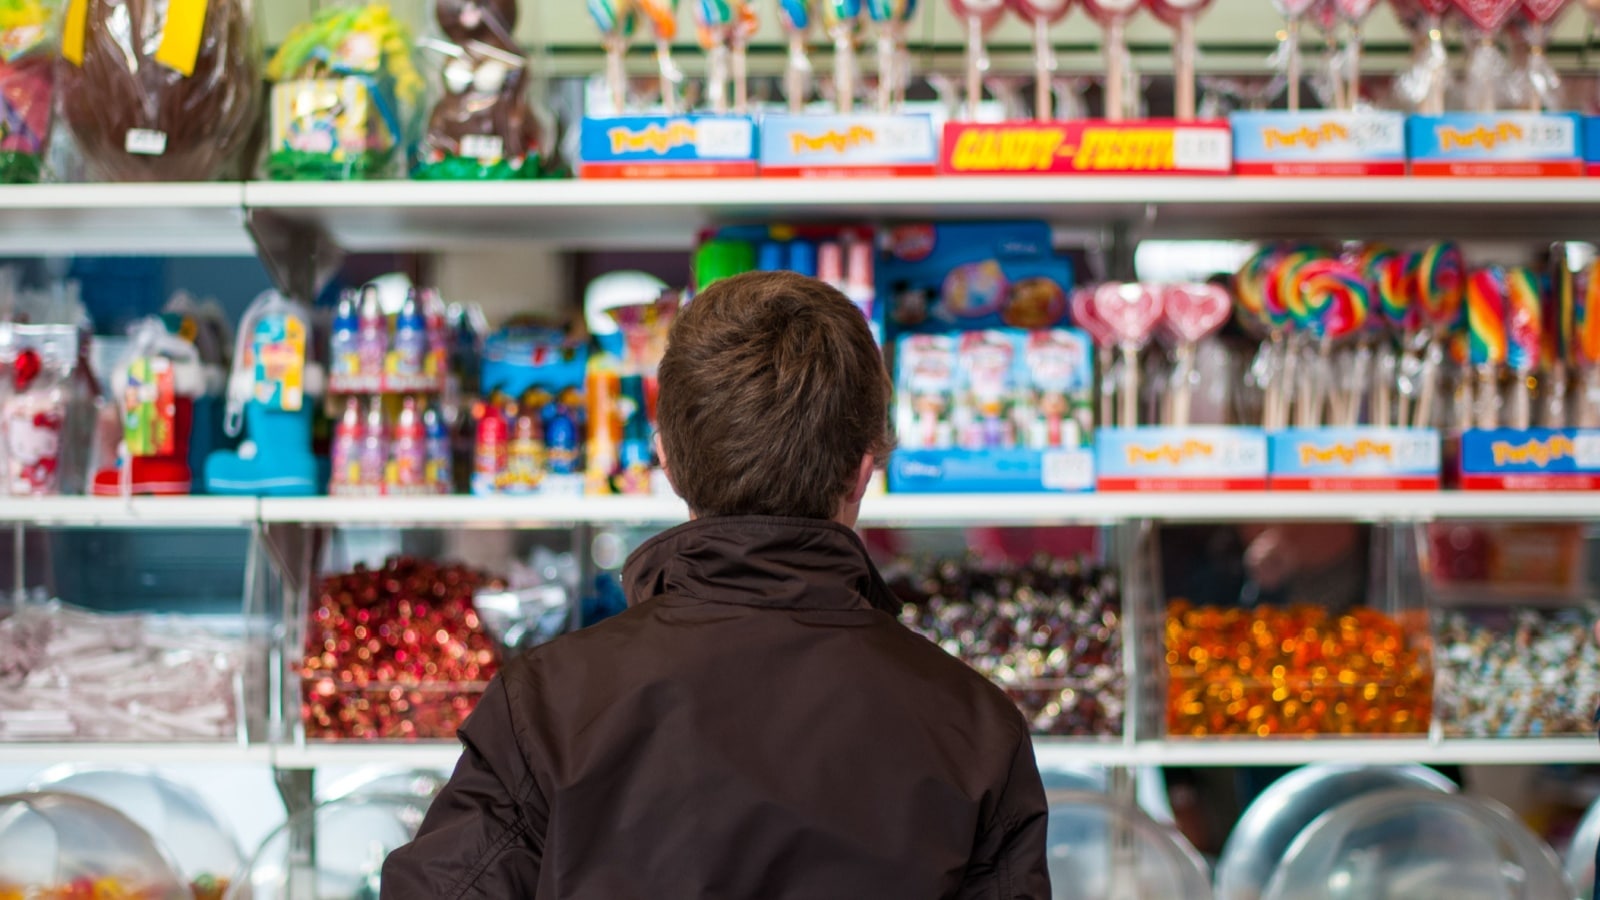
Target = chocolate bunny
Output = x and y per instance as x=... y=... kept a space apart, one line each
x=483 y=113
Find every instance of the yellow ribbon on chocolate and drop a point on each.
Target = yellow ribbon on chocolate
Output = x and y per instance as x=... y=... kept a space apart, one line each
x=72 y=31
x=180 y=40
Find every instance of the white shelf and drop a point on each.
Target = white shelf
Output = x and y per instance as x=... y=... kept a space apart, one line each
x=1051 y=752
x=152 y=754
x=898 y=510
x=507 y=512
x=405 y=215
x=154 y=219
x=116 y=512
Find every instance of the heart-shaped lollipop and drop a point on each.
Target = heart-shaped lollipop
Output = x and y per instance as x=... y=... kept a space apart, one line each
x=1488 y=16
x=1130 y=312
x=1112 y=16
x=1194 y=312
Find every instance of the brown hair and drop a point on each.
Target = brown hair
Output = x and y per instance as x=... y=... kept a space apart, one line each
x=772 y=390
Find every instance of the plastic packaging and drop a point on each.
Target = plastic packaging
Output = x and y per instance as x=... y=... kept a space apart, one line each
x=174 y=100
x=28 y=45
x=482 y=126
x=1097 y=849
x=1419 y=845
x=1278 y=815
x=61 y=845
x=354 y=835
x=345 y=93
x=1579 y=862
x=204 y=849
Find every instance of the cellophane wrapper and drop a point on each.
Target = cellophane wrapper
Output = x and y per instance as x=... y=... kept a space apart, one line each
x=135 y=113
x=27 y=87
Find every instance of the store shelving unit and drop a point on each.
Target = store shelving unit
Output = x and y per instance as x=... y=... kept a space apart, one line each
x=295 y=220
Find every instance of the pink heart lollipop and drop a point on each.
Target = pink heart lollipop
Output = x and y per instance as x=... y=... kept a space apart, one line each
x=1354 y=12
x=1181 y=15
x=980 y=17
x=1113 y=16
x=1194 y=312
x=1085 y=317
x=1488 y=16
x=1041 y=14
x=1130 y=312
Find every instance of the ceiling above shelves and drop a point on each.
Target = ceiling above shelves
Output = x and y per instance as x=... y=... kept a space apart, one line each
x=210 y=219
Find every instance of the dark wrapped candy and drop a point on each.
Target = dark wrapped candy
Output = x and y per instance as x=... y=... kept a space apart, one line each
x=174 y=99
x=1048 y=632
x=1517 y=673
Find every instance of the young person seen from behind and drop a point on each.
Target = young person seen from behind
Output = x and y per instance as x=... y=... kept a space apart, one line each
x=757 y=726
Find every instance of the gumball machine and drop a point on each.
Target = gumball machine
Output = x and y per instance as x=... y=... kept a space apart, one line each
x=59 y=845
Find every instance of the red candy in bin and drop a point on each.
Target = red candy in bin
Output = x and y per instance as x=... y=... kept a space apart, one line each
x=396 y=653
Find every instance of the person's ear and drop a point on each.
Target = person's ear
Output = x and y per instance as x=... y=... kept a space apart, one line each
x=661 y=454
x=863 y=475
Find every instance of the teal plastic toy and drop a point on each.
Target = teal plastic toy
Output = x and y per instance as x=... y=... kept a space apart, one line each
x=270 y=397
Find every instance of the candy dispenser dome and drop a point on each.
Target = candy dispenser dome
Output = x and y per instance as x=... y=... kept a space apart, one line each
x=423 y=784
x=1581 y=852
x=1285 y=808
x=1418 y=845
x=1098 y=848
x=61 y=845
x=202 y=846
x=351 y=837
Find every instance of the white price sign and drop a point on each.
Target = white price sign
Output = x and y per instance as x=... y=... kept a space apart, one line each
x=722 y=138
x=1206 y=149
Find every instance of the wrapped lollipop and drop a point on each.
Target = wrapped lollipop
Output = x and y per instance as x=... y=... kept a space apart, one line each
x=795 y=16
x=1181 y=15
x=1130 y=313
x=1559 y=338
x=1543 y=85
x=1085 y=317
x=1487 y=299
x=1250 y=285
x=1441 y=282
x=1286 y=308
x=1586 y=349
x=841 y=18
x=1395 y=283
x=745 y=25
x=1486 y=67
x=1524 y=340
x=889 y=19
x=663 y=18
x=1113 y=16
x=1424 y=83
x=1040 y=15
x=1354 y=13
x=1293 y=12
x=1192 y=313
x=616 y=20
x=979 y=17
x=1335 y=300
x=715 y=18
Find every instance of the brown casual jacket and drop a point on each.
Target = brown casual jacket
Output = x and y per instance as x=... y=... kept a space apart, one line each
x=757 y=726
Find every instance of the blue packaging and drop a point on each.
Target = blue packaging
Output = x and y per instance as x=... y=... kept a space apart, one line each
x=973 y=275
x=1538 y=459
x=1321 y=142
x=1205 y=458
x=848 y=146
x=690 y=146
x=994 y=410
x=1495 y=144
x=1354 y=459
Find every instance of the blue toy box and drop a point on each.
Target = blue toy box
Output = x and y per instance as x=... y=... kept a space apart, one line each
x=964 y=276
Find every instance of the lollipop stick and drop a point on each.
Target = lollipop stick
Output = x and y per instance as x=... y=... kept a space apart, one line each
x=1185 y=85
x=977 y=62
x=669 y=77
x=1438 y=59
x=1044 y=63
x=1108 y=390
x=1116 y=72
x=616 y=74
x=1589 y=399
x=797 y=73
x=1292 y=52
x=1521 y=414
x=1555 y=396
x=741 y=72
x=1383 y=388
x=886 y=71
x=1129 y=416
x=717 y=76
x=1428 y=385
x=1487 y=408
x=844 y=69
x=1182 y=376
x=1353 y=97
x=902 y=65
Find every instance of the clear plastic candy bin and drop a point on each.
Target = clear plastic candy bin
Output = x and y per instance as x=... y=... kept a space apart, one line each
x=56 y=846
x=352 y=837
x=205 y=851
x=1099 y=849
x=1408 y=844
x=1283 y=810
x=1581 y=852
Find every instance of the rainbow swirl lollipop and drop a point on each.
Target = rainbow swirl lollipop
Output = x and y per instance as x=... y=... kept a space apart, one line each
x=1250 y=286
x=1486 y=316
x=1524 y=319
x=1441 y=284
x=1396 y=288
x=1335 y=299
x=1282 y=300
x=1586 y=324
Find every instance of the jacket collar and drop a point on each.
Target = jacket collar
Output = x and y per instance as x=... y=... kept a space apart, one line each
x=768 y=561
